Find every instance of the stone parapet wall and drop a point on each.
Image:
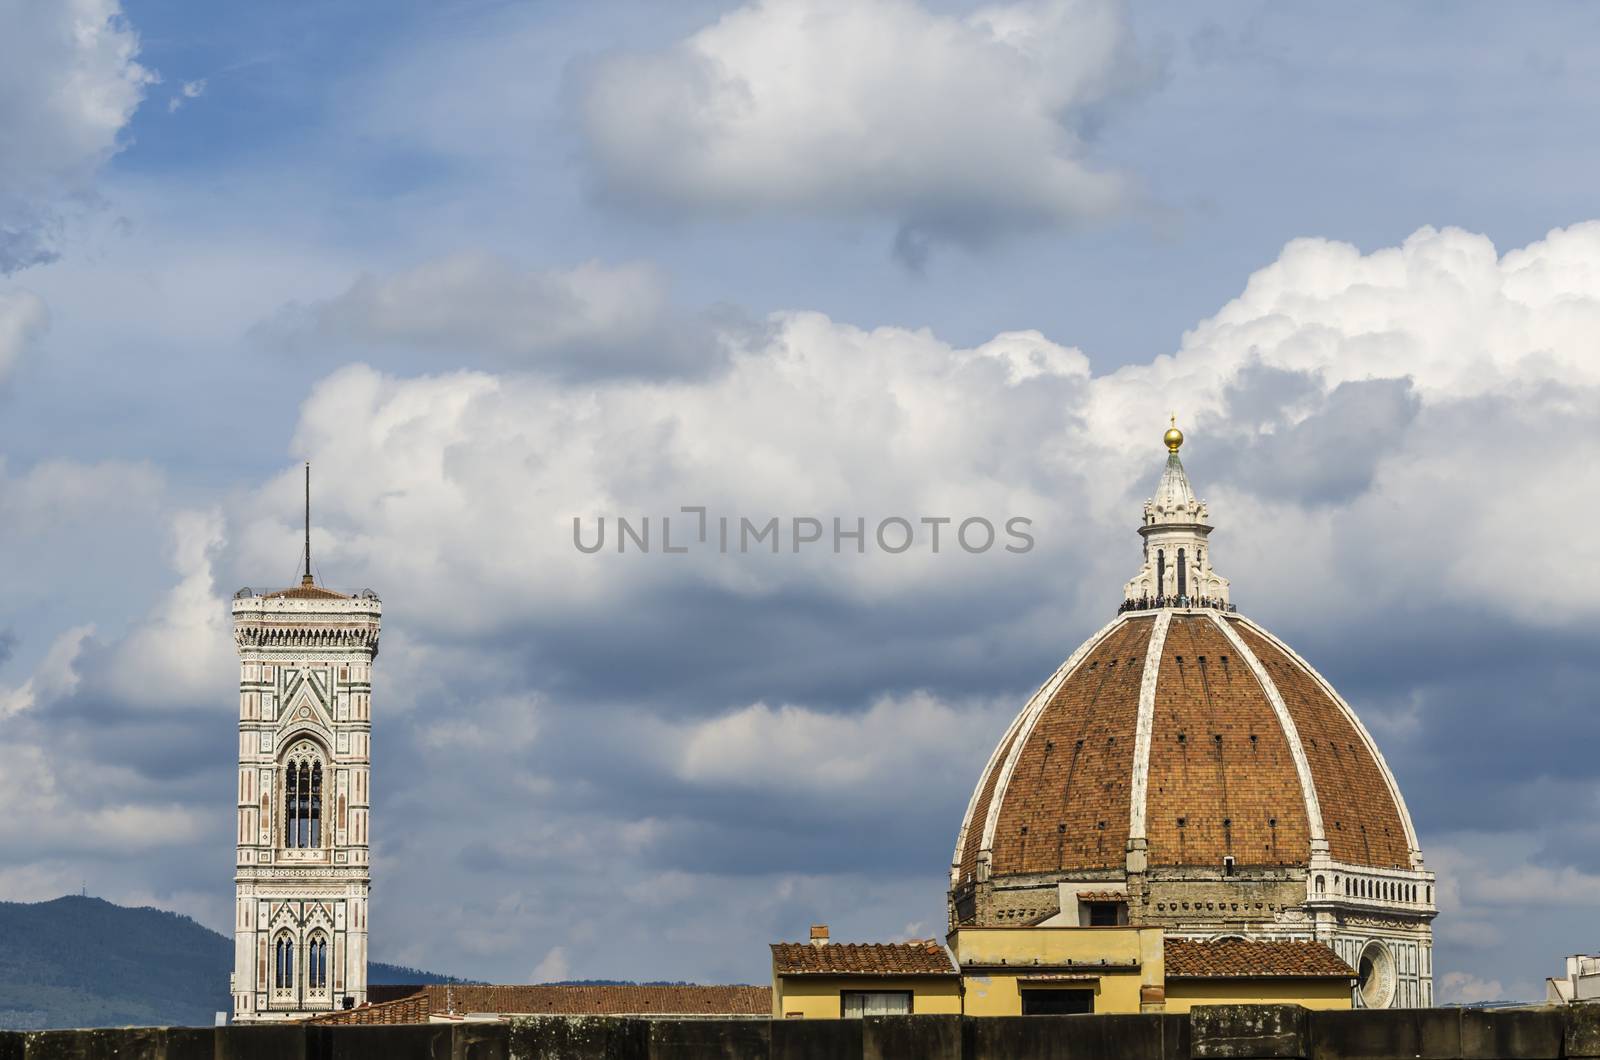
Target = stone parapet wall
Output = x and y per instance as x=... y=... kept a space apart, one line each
x=1245 y=1032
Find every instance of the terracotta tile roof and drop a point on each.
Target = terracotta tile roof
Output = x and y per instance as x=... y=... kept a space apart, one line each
x=412 y=1009
x=1240 y=958
x=924 y=957
x=1102 y=896
x=562 y=1000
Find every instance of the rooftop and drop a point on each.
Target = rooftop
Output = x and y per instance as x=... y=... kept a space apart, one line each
x=922 y=957
x=1242 y=958
x=414 y=1004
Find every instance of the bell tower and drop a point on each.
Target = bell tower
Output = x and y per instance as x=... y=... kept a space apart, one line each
x=303 y=873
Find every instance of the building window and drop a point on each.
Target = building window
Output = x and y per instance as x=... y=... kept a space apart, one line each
x=317 y=963
x=1104 y=914
x=283 y=977
x=853 y=1004
x=1055 y=1002
x=302 y=799
x=1183 y=580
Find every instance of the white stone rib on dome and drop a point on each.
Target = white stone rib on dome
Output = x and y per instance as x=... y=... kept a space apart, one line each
x=1144 y=728
x=1021 y=726
x=1366 y=737
x=1291 y=732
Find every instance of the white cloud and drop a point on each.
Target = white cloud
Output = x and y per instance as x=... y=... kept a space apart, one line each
x=1460 y=988
x=187 y=91
x=69 y=83
x=553 y=968
x=22 y=319
x=892 y=749
x=1443 y=309
x=472 y=480
x=954 y=128
x=182 y=651
x=35 y=787
x=55 y=676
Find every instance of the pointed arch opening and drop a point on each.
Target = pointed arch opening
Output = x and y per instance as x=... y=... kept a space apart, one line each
x=283 y=962
x=303 y=782
x=317 y=963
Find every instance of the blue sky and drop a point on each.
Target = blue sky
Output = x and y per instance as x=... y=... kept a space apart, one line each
x=492 y=265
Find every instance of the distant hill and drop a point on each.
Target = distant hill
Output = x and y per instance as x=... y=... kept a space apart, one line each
x=84 y=962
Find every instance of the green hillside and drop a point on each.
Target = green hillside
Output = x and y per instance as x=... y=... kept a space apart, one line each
x=84 y=962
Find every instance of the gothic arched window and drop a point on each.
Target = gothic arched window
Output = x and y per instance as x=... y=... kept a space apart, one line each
x=1183 y=580
x=302 y=798
x=317 y=962
x=283 y=971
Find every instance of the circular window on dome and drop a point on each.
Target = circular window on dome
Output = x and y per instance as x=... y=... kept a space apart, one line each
x=1375 y=976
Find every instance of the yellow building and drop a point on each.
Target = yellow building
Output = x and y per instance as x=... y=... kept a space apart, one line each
x=1051 y=970
x=826 y=980
x=1026 y=971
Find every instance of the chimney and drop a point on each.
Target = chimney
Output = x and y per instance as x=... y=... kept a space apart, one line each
x=819 y=934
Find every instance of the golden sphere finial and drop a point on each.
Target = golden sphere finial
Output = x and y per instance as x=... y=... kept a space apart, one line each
x=1173 y=437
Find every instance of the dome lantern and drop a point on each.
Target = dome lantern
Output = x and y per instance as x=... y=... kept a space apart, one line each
x=1177 y=570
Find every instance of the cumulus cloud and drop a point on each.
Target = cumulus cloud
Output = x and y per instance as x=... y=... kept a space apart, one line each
x=1391 y=412
x=182 y=650
x=69 y=83
x=1433 y=380
x=589 y=321
x=55 y=675
x=1388 y=485
x=955 y=129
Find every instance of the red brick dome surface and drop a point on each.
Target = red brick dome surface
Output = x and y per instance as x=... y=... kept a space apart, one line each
x=1198 y=732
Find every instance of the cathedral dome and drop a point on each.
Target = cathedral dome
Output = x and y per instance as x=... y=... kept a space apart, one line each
x=1193 y=732
x=1188 y=768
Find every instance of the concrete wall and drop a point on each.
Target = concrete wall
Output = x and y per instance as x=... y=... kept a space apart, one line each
x=1247 y=1032
x=1184 y=994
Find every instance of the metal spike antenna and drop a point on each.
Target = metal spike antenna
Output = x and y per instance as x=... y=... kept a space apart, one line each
x=306 y=580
